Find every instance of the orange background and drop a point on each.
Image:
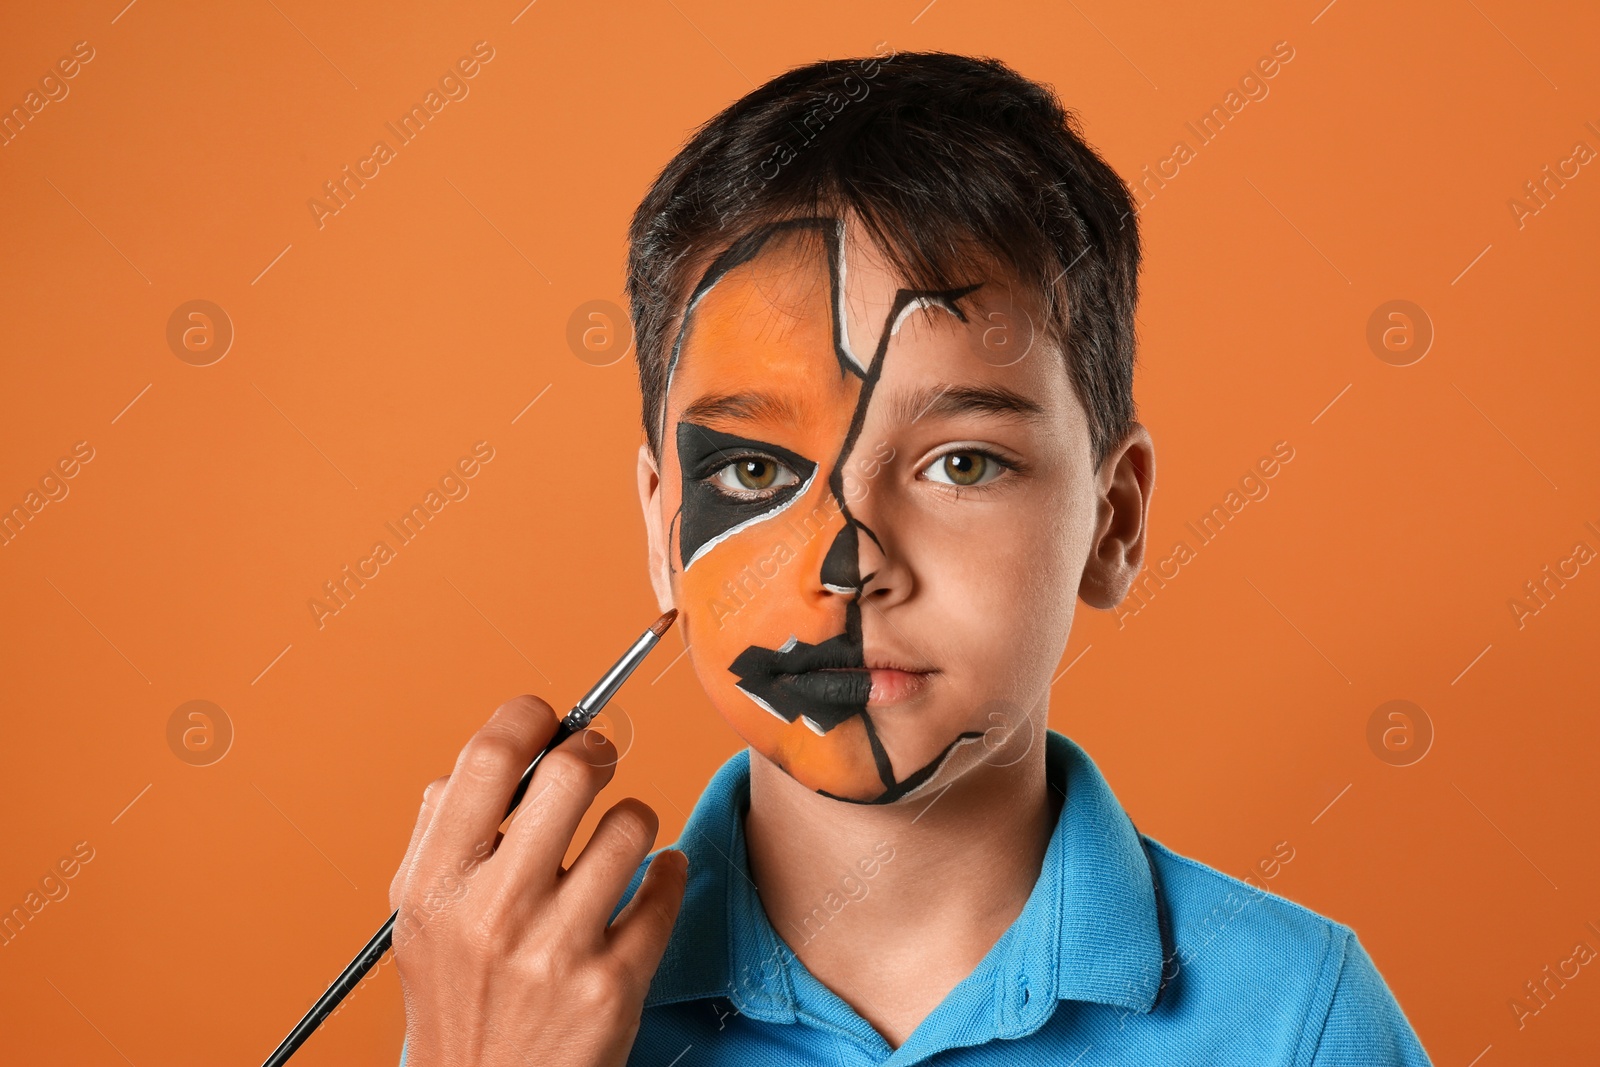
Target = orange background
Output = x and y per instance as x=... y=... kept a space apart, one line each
x=1229 y=713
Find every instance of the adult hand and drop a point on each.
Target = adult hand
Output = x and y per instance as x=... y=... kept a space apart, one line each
x=505 y=957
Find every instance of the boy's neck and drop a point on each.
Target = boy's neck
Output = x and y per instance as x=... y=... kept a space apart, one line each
x=891 y=906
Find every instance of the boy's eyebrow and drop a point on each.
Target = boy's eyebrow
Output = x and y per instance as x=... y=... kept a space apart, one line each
x=951 y=400
x=742 y=407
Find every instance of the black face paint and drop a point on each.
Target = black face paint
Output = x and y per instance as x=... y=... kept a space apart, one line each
x=743 y=251
x=841 y=567
x=911 y=781
x=827 y=684
x=824 y=685
x=709 y=515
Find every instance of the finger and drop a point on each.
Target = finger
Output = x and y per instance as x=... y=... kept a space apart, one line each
x=640 y=933
x=620 y=842
x=424 y=818
x=564 y=786
x=473 y=802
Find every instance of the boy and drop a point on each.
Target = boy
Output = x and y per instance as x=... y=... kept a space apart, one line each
x=885 y=319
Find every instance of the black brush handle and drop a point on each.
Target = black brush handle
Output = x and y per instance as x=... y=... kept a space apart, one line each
x=368 y=957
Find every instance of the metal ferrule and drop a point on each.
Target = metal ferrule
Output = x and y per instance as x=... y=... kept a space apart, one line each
x=607 y=686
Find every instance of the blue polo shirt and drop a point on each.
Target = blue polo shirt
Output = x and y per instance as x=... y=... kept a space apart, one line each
x=1125 y=953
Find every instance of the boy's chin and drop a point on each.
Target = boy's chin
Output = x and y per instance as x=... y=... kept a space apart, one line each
x=855 y=777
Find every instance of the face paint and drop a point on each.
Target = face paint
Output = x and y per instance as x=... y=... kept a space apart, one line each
x=767 y=549
x=711 y=515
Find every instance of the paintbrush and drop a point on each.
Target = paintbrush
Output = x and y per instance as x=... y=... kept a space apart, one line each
x=580 y=716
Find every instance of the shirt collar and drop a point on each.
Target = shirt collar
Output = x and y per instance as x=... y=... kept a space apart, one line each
x=1091 y=930
x=1107 y=911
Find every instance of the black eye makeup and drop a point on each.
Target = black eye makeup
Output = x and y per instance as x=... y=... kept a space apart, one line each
x=731 y=482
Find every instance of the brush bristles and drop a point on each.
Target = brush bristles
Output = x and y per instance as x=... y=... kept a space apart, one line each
x=663 y=624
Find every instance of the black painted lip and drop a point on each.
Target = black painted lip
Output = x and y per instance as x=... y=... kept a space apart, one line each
x=836 y=653
x=825 y=683
x=831 y=687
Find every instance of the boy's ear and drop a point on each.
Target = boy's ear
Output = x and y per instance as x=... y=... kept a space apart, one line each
x=1116 y=555
x=655 y=527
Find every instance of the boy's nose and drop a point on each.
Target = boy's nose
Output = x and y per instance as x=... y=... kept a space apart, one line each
x=841 y=566
x=856 y=563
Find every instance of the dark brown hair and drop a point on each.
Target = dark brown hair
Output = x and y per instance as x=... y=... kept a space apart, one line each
x=941 y=156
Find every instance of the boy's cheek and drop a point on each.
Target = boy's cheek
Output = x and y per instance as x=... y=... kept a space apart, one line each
x=727 y=612
x=720 y=612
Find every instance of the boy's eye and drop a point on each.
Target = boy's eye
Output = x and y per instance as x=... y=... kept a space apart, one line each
x=964 y=468
x=754 y=474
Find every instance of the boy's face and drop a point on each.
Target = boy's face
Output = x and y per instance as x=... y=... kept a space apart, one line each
x=874 y=509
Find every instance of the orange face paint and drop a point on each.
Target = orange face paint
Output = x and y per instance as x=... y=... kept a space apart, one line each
x=761 y=446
